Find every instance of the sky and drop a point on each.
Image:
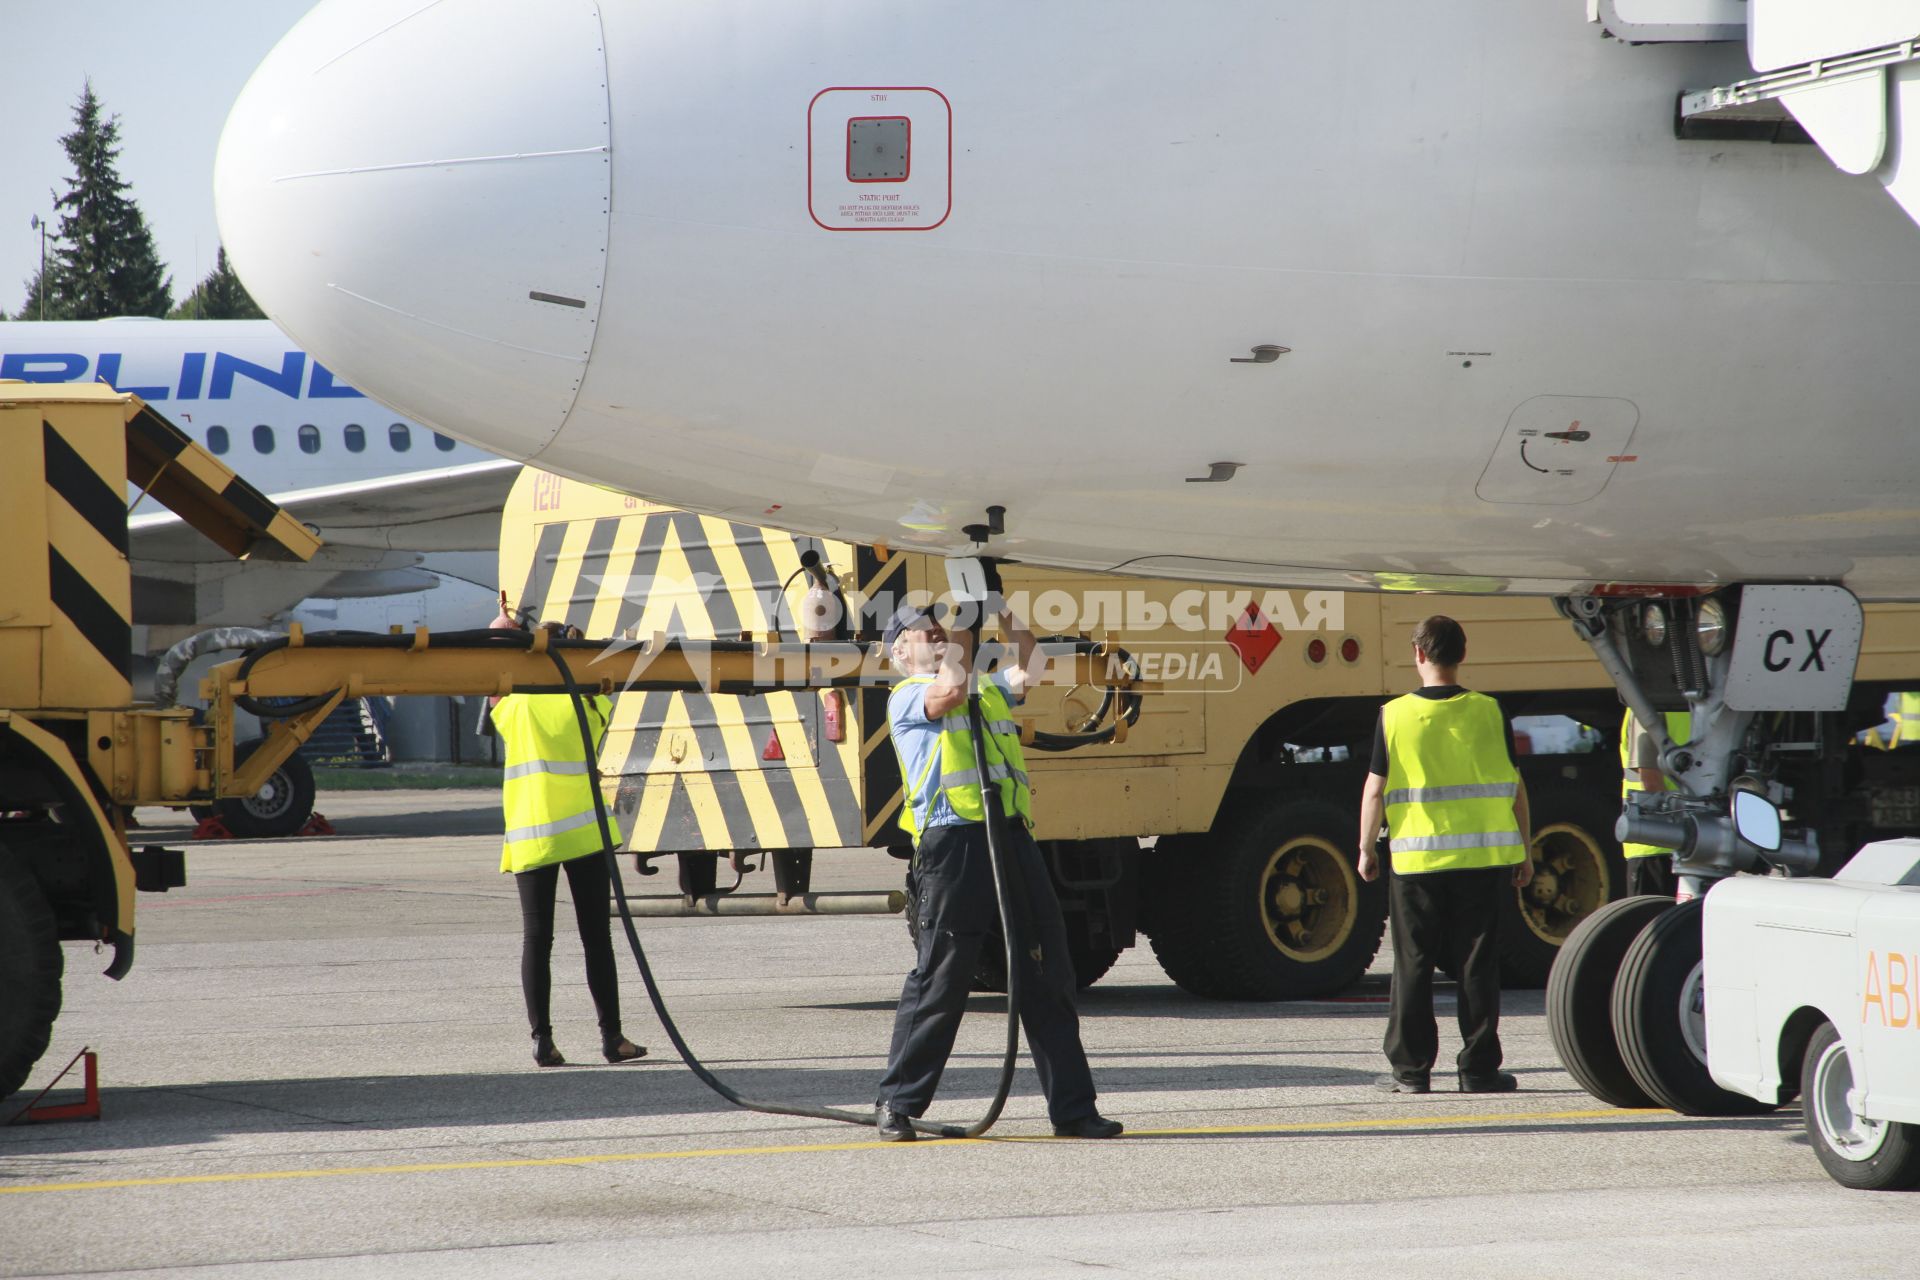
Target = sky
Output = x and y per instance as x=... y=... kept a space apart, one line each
x=170 y=69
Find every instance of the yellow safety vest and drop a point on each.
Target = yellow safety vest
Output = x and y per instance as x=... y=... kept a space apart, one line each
x=959 y=779
x=1906 y=720
x=546 y=789
x=1450 y=784
x=1680 y=729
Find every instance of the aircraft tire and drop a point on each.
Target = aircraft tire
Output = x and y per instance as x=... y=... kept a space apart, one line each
x=1863 y=1154
x=31 y=966
x=1659 y=1021
x=1577 y=869
x=283 y=805
x=1276 y=904
x=1580 y=999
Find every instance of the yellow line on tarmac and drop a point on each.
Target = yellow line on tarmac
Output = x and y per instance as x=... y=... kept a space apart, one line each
x=1320 y=1126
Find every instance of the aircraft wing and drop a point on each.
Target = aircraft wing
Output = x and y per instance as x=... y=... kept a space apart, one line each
x=374 y=534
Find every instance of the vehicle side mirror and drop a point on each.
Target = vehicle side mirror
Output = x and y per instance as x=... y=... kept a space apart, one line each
x=1756 y=820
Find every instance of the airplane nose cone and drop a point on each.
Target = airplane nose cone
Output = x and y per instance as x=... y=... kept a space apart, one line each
x=419 y=194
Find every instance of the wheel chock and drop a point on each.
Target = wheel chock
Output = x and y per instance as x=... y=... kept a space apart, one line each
x=317 y=825
x=88 y=1108
x=211 y=828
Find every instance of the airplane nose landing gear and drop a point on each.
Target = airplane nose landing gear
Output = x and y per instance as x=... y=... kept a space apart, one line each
x=1625 y=1006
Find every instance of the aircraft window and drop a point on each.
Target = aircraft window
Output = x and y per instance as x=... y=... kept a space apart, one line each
x=354 y=436
x=263 y=439
x=443 y=443
x=216 y=439
x=309 y=438
x=399 y=437
x=879 y=149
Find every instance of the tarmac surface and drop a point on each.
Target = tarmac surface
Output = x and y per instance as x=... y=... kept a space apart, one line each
x=319 y=1068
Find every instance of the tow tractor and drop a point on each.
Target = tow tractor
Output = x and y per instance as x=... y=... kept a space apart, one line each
x=1760 y=982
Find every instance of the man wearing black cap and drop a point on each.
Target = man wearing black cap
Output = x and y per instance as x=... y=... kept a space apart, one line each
x=943 y=810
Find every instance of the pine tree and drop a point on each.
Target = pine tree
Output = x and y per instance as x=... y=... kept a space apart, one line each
x=220 y=296
x=105 y=264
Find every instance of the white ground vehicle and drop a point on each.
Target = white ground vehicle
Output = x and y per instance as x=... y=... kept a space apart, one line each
x=1812 y=986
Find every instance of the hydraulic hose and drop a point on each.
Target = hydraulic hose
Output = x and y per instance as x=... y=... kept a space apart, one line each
x=659 y=1003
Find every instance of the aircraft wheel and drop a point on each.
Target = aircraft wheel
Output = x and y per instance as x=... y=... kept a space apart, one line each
x=1659 y=1017
x=1577 y=869
x=281 y=806
x=1580 y=999
x=31 y=964
x=1867 y=1155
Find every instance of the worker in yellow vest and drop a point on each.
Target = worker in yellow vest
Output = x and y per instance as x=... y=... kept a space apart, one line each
x=944 y=810
x=552 y=822
x=1649 y=867
x=1444 y=779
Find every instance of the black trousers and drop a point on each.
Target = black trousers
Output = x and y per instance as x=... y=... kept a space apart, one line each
x=588 y=882
x=956 y=906
x=1651 y=875
x=1450 y=915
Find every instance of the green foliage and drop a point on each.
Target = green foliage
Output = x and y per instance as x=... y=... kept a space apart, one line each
x=103 y=262
x=220 y=296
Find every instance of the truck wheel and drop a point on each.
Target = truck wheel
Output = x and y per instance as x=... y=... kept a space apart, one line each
x=1183 y=937
x=31 y=964
x=1283 y=912
x=1867 y=1155
x=1577 y=869
x=1580 y=999
x=1659 y=1016
x=280 y=808
x=1090 y=963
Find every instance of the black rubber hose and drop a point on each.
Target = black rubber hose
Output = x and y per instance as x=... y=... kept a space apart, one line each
x=680 y=1045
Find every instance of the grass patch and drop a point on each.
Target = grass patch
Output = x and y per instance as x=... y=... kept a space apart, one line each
x=406 y=777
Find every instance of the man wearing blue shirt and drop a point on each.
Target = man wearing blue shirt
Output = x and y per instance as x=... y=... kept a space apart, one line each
x=944 y=811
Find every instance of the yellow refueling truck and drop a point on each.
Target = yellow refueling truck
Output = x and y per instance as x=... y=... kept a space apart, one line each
x=1246 y=765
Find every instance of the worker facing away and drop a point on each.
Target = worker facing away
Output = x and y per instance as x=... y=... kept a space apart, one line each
x=1649 y=867
x=944 y=811
x=1444 y=778
x=552 y=823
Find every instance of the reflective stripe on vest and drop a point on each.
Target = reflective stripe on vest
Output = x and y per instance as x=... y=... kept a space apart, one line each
x=1680 y=729
x=1451 y=784
x=959 y=774
x=547 y=788
x=1906 y=719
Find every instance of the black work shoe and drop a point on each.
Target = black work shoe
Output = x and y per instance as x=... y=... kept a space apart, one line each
x=1394 y=1084
x=1497 y=1082
x=1091 y=1125
x=891 y=1125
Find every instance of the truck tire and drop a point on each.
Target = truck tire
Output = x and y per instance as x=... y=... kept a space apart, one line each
x=1660 y=1019
x=31 y=964
x=1276 y=908
x=1580 y=999
x=1577 y=869
x=1090 y=963
x=280 y=808
x=1867 y=1155
x=1181 y=935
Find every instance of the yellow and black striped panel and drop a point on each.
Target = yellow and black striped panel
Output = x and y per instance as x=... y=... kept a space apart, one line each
x=883 y=585
x=88 y=652
x=688 y=769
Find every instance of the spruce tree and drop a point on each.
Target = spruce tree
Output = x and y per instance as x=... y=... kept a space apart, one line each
x=220 y=296
x=105 y=264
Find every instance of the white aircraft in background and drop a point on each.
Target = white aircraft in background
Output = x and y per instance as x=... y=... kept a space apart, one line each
x=410 y=516
x=1499 y=295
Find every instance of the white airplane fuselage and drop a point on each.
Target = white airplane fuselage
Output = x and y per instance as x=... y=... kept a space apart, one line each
x=1533 y=342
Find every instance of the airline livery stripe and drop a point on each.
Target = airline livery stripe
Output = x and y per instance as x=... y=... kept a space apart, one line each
x=90 y=613
x=69 y=475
